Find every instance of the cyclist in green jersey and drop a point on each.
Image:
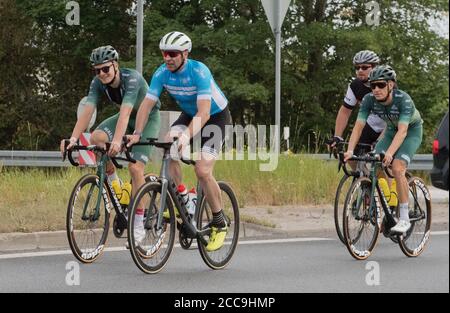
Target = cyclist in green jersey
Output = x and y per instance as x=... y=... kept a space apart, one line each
x=127 y=89
x=402 y=137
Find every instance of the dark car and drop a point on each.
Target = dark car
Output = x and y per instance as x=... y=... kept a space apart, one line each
x=439 y=173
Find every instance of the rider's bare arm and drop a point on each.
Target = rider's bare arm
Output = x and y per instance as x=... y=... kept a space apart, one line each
x=342 y=120
x=83 y=122
x=145 y=108
x=204 y=107
x=356 y=134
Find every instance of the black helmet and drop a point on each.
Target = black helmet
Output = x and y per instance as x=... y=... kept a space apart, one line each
x=382 y=72
x=103 y=54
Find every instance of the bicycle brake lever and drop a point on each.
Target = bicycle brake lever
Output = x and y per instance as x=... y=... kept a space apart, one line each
x=66 y=143
x=341 y=161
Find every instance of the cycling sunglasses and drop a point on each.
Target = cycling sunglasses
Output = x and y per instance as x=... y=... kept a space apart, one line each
x=380 y=85
x=362 y=67
x=104 y=69
x=172 y=54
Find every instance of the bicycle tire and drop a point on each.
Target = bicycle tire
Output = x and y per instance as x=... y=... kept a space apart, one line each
x=339 y=207
x=219 y=259
x=414 y=243
x=359 y=195
x=89 y=249
x=146 y=255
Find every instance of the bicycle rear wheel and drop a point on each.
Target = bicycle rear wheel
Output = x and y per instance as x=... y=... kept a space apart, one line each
x=339 y=201
x=87 y=227
x=151 y=253
x=220 y=258
x=360 y=221
x=414 y=241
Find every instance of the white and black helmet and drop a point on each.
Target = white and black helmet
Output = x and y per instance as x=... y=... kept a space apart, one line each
x=366 y=57
x=175 y=41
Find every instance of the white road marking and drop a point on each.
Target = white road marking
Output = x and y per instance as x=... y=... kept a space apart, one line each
x=119 y=249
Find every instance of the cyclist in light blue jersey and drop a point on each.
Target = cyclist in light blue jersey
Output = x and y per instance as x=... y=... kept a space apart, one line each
x=202 y=102
x=187 y=85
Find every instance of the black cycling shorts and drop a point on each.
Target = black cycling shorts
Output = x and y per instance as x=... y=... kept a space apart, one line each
x=368 y=136
x=212 y=134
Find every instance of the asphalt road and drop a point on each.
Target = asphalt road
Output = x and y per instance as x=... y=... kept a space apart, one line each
x=263 y=266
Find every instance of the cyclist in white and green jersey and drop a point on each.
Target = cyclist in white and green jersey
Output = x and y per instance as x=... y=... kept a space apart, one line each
x=402 y=137
x=126 y=88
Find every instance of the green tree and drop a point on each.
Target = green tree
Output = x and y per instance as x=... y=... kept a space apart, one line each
x=47 y=71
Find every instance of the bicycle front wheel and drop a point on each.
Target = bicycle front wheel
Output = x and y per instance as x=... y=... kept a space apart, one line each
x=339 y=201
x=414 y=241
x=220 y=258
x=360 y=220
x=150 y=245
x=87 y=221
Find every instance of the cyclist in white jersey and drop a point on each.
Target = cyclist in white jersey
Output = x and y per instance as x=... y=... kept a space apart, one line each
x=202 y=102
x=363 y=61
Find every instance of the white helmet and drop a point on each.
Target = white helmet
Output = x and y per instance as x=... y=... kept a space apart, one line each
x=175 y=41
x=366 y=57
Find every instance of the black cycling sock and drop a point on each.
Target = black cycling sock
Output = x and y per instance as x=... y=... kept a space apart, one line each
x=218 y=219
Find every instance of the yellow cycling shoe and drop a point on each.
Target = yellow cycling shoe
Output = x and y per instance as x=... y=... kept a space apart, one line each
x=217 y=238
x=166 y=214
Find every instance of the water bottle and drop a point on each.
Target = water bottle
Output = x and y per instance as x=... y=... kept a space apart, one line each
x=192 y=201
x=385 y=188
x=183 y=195
x=122 y=191
x=393 y=200
x=126 y=194
x=116 y=186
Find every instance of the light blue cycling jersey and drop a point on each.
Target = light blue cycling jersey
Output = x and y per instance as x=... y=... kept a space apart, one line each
x=191 y=83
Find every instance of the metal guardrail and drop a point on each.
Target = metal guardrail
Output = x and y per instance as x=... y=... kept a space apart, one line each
x=32 y=159
x=420 y=162
x=423 y=162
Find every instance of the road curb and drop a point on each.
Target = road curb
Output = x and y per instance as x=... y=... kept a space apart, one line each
x=13 y=242
x=40 y=241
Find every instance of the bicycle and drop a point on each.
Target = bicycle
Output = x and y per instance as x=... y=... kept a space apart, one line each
x=89 y=208
x=152 y=253
x=362 y=216
x=345 y=183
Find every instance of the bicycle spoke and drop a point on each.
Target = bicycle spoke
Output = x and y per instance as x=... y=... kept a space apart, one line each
x=86 y=235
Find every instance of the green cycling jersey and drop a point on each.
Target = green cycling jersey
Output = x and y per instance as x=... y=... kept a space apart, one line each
x=401 y=110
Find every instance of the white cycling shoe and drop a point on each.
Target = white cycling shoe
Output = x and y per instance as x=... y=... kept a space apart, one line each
x=401 y=227
x=139 y=235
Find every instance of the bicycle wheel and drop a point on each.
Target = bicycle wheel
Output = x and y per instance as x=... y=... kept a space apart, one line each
x=339 y=200
x=220 y=258
x=414 y=241
x=87 y=227
x=152 y=253
x=360 y=221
